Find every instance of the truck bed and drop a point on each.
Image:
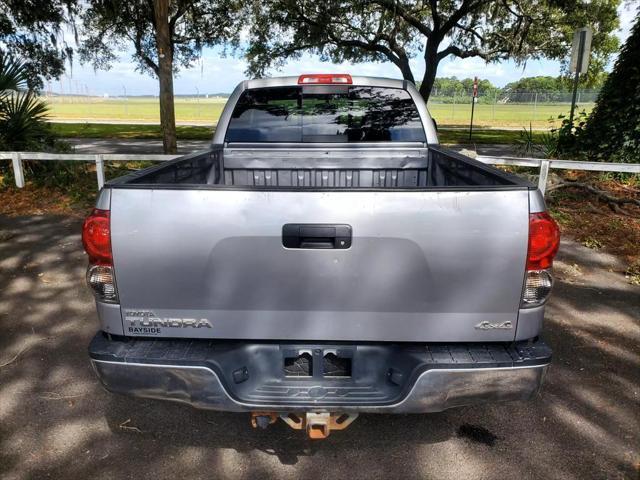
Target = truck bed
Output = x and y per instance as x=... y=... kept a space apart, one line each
x=435 y=245
x=251 y=166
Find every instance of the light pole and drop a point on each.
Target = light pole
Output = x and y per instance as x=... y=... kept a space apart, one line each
x=126 y=104
x=198 y=102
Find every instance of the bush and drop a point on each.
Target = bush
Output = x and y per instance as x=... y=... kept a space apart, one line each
x=612 y=132
x=23 y=115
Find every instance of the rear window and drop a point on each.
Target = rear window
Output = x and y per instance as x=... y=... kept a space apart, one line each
x=325 y=113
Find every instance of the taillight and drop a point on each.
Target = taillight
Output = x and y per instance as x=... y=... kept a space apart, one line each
x=544 y=241
x=96 y=238
x=325 y=78
x=100 y=280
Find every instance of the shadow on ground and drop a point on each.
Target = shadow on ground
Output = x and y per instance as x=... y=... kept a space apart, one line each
x=56 y=422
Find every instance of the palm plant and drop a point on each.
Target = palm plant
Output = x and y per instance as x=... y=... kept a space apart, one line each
x=23 y=122
x=13 y=75
x=22 y=114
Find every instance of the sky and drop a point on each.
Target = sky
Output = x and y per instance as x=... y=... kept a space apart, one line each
x=217 y=74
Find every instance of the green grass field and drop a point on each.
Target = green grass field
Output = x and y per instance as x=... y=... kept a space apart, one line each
x=201 y=132
x=141 y=109
x=207 y=111
x=502 y=115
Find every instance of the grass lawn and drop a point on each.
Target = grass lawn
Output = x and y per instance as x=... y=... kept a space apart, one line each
x=117 y=130
x=141 y=109
x=106 y=130
x=206 y=111
x=502 y=115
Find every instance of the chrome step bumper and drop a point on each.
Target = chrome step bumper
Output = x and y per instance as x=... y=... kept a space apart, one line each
x=411 y=379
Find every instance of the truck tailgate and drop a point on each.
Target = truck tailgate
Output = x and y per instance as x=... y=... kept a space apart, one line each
x=426 y=266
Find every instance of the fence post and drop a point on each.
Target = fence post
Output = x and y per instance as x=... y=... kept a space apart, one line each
x=18 y=172
x=453 y=109
x=495 y=100
x=100 y=170
x=544 y=173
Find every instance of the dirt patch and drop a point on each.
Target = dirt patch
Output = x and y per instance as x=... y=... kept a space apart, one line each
x=592 y=221
x=41 y=200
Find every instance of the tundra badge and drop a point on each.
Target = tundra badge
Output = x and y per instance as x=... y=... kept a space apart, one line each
x=146 y=319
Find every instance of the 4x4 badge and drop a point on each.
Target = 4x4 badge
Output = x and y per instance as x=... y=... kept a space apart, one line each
x=490 y=326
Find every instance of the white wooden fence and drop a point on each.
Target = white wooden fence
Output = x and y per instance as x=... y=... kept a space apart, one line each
x=542 y=164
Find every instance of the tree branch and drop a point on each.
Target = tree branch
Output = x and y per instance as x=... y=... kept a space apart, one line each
x=466 y=7
x=471 y=31
x=473 y=52
x=181 y=10
x=613 y=202
x=398 y=9
x=137 y=41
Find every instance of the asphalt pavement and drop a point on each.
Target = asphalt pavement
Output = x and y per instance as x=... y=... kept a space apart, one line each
x=57 y=422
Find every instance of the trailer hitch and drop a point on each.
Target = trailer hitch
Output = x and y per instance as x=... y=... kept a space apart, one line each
x=317 y=425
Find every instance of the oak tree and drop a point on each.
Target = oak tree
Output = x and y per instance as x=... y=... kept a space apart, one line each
x=398 y=30
x=165 y=35
x=32 y=33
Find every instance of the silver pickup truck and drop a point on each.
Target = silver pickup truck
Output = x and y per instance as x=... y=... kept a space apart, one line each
x=324 y=257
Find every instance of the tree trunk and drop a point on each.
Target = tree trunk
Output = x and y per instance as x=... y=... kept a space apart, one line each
x=431 y=61
x=405 y=68
x=165 y=75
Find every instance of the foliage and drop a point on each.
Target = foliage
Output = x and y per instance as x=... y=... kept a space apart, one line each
x=397 y=30
x=551 y=89
x=13 y=75
x=526 y=145
x=569 y=135
x=32 y=31
x=592 y=243
x=111 y=26
x=22 y=114
x=23 y=122
x=534 y=84
x=559 y=142
x=165 y=35
x=633 y=273
x=445 y=89
x=613 y=129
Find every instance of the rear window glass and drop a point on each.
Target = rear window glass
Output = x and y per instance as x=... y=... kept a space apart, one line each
x=325 y=113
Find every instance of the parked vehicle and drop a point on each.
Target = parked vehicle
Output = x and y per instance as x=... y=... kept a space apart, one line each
x=324 y=257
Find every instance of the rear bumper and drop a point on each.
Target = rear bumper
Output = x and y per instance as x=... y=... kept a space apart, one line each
x=384 y=378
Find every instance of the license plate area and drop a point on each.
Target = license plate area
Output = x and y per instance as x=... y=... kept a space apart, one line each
x=334 y=363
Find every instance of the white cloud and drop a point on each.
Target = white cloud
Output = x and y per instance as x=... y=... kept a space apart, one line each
x=470 y=67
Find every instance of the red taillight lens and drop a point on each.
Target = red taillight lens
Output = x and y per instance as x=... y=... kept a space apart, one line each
x=96 y=237
x=325 y=78
x=544 y=240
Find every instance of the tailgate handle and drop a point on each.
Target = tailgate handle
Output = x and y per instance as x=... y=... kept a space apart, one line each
x=316 y=235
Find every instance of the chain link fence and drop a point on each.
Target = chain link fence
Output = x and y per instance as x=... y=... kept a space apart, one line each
x=496 y=108
x=501 y=108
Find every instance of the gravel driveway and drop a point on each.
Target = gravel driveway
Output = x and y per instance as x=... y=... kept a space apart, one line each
x=57 y=422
